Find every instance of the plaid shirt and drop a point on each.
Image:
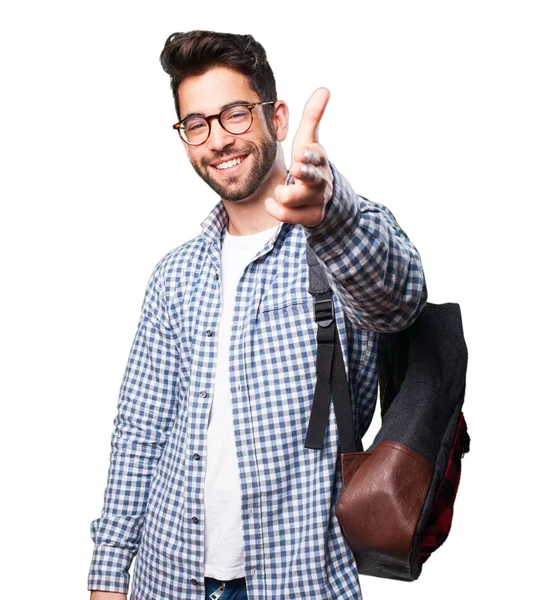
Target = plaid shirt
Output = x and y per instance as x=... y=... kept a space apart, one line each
x=153 y=503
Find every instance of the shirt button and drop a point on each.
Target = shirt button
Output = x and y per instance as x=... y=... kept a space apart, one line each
x=197 y=456
x=195 y=519
x=216 y=275
x=209 y=332
x=203 y=393
x=194 y=580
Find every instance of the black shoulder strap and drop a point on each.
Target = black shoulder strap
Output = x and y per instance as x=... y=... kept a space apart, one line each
x=331 y=376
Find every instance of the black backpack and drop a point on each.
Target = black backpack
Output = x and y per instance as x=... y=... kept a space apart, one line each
x=398 y=496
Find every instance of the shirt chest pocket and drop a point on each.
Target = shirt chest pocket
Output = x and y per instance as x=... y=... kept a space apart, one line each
x=282 y=349
x=275 y=306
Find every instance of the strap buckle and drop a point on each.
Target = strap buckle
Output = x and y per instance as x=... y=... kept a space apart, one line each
x=323 y=314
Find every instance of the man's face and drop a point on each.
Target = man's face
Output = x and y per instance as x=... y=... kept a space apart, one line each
x=207 y=94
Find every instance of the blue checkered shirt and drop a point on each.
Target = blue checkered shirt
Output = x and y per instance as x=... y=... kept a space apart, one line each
x=153 y=502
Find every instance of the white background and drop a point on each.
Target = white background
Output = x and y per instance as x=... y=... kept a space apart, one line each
x=446 y=112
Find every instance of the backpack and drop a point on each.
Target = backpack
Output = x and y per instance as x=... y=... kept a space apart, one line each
x=398 y=496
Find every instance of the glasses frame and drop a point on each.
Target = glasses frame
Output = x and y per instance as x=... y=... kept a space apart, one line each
x=179 y=126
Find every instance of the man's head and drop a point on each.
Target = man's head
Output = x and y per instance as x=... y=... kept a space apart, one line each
x=209 y=70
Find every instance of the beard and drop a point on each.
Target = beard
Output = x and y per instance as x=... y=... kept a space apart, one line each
x=243 y=185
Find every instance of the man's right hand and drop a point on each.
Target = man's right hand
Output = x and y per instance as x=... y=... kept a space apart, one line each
x=98 y=595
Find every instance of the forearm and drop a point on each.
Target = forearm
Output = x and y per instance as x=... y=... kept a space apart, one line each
x=99 y=595
x=370 y=262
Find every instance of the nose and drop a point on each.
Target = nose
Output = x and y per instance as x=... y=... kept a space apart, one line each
x=219 y=137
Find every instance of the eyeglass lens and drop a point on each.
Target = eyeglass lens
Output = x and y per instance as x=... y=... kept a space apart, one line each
x=236 y=119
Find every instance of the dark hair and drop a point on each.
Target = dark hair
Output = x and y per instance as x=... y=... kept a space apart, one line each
x=197 y=51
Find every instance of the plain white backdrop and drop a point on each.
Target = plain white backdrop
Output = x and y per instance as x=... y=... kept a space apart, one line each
x=446 y=112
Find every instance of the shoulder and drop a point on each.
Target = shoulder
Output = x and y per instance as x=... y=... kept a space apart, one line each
x=176 y=265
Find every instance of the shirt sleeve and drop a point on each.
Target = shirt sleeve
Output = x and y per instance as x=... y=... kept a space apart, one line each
x=146 y=410
x=371 y=265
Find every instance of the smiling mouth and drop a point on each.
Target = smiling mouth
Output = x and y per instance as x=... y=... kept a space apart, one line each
x=230 y=166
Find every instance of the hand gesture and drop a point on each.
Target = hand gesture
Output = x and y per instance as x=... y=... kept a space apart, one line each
x=306 y=201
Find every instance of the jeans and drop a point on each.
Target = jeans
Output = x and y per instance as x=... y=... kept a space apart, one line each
x=235 y=589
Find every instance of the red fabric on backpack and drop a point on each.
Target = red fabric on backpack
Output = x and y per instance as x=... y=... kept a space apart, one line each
x=439 y=524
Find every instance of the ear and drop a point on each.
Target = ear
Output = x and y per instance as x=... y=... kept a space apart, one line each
x=281 y=120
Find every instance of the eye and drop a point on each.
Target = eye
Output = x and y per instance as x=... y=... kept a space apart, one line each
x=236 y=114
x=194 y=125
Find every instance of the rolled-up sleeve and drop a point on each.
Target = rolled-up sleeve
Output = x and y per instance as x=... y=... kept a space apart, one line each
x=370 y=263
x=146 y=410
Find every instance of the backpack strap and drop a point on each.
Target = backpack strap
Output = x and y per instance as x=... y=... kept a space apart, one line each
x=331 y=376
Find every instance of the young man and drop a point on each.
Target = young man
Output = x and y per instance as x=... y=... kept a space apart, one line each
x=209 y=469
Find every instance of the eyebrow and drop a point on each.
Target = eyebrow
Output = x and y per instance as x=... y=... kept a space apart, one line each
x=225 y=106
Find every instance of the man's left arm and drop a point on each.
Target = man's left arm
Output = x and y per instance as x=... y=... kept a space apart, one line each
x=370 y=263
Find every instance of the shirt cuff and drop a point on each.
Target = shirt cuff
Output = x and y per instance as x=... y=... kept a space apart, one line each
x=342 y=214
x=109 y=571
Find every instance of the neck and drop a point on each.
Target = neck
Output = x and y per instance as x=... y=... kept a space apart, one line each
x=250 y=215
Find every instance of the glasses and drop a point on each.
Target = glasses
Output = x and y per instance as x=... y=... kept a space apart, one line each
x=235 y=119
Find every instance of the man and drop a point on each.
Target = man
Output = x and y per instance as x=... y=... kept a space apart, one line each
x=209 y=469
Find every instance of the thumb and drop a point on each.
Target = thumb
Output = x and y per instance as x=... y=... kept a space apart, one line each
x=307 y=132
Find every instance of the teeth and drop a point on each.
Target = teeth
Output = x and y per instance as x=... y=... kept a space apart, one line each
x=229 y=163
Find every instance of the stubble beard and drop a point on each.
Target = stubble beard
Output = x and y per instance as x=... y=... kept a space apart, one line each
x=242 y=186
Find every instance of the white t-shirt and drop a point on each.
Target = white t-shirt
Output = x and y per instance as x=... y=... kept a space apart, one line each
x=224 y=541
